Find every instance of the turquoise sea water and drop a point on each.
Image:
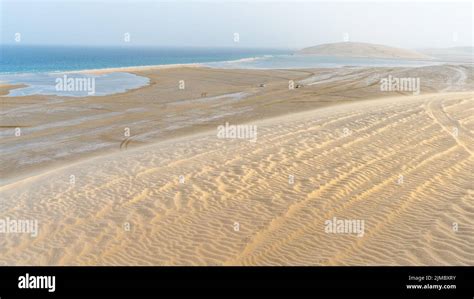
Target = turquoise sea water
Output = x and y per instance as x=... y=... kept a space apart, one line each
x=33 y=59
x=39 y=66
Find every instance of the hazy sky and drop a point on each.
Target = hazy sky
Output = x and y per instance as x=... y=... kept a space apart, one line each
x=284 y=24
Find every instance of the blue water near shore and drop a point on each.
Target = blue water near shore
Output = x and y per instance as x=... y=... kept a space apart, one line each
x=45 y=83
x=33 y=59
x=39 y=66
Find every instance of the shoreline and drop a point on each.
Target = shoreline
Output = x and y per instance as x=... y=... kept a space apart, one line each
x=99 y=71
x=140 y=68
x=133 y=69
x=5 y=88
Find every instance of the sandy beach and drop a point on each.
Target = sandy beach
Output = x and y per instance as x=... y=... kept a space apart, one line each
x=141 y=177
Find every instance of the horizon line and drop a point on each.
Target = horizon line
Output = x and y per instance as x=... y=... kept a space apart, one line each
x=208 y=46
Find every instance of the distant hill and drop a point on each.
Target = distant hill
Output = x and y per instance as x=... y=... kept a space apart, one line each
x=352 y=49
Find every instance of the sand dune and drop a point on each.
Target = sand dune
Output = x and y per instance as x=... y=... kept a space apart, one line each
x=130 y=208
x=353 y=49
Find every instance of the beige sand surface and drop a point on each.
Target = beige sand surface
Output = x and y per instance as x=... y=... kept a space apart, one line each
x=346 y=161
x=56 y=131
x=5 y=88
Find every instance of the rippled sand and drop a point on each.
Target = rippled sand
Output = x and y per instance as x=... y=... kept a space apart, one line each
x=56 y=131
x=130 y=208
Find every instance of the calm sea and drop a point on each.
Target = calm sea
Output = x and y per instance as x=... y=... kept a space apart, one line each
x=27 y=59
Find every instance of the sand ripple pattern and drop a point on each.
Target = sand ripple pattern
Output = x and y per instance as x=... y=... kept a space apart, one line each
x=130 y=208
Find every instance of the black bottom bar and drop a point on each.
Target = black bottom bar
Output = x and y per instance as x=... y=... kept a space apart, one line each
x=294 y=282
